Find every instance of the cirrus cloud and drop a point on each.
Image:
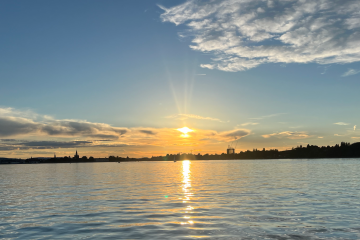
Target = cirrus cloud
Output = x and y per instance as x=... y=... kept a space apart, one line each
x=243 y=34
x=249 y=123
x=350 y=72
x=183 y=116
x=288 y=134
x=341 y=123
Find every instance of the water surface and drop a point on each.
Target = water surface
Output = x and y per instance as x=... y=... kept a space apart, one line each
x=235 y=199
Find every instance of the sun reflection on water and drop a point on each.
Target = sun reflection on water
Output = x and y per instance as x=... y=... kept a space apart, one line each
x=186 y=187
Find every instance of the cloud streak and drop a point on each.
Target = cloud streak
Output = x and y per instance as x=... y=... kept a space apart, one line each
x=288 y=134
x=243 y=34
x=14 y=126
x=341 y=123
x=183 y=116
x=268 y=116
x=350 y=72
x=40 y=145
x=249 y=123
x=13 y=123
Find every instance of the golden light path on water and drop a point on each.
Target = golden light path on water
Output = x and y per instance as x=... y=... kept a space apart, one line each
x=186 y=187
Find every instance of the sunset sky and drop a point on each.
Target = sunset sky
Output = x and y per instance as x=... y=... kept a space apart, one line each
x=120 y=77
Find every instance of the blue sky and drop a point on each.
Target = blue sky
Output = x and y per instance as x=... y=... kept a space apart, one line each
x=119 y=77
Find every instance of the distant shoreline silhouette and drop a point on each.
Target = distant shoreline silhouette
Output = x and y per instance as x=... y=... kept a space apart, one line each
x=344 y=150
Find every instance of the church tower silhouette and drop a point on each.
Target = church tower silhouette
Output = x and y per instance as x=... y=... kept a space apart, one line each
x=76 y=156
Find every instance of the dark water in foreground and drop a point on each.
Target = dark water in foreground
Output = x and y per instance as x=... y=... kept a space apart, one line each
x=254 y=199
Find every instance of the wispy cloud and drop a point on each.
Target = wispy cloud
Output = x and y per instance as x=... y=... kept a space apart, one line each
x=341 y=123
x=248 y=123
x=268 y=116
x=183 y=116
x=245 y=34
x=148 y=131
x=201 y=74
x=354 y=127
x=350 y=71
x=325 y=70
x=288 y=134
x=233 y=134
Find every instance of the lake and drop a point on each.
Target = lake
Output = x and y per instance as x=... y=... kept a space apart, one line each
x=235 y=199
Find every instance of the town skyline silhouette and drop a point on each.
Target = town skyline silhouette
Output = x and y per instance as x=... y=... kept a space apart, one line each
x=342 y=150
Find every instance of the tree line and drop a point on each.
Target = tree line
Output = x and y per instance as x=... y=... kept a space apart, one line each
x=343 y=150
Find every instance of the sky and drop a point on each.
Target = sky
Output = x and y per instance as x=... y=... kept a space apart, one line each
x=121 y=77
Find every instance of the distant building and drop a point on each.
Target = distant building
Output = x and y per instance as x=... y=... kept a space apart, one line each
x=230 y=150
x=76 y=156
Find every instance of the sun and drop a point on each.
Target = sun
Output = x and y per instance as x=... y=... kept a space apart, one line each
x=185 y=131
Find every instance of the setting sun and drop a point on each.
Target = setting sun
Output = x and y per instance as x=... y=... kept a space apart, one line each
x=185 y=130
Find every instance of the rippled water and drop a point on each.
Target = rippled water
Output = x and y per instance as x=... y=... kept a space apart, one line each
x=249 y=199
